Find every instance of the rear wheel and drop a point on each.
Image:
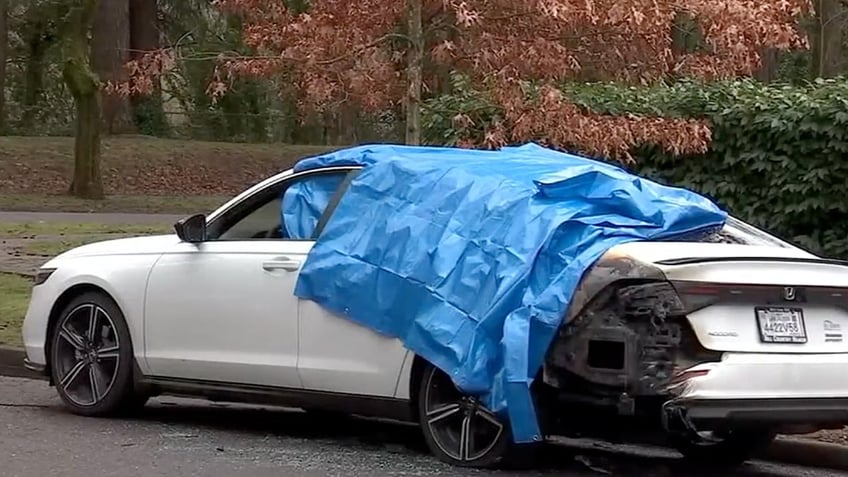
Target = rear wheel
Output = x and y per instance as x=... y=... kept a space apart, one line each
x=723 y=449
x=92 y=357
x=458 y=429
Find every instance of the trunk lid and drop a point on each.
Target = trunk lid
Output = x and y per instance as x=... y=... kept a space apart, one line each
x=757 y=299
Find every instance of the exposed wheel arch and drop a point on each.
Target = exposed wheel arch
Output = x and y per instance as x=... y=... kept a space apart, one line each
x=419 y=365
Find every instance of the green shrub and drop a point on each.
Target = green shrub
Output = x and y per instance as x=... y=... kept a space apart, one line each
x=778 y=159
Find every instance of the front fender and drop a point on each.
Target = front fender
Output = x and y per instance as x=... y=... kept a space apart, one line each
x=123 y=278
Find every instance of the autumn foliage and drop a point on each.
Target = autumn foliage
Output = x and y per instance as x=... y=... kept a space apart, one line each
x=342 y=52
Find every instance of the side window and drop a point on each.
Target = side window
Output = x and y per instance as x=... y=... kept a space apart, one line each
x=305 y=201
x=261 y=223
x=287 y=210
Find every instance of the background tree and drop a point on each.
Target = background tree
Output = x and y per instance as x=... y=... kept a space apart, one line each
x=4 y=48
x=336 y=93
x=827 y=33
x=145 y=37
x=111 y=45
x=84 y=86
x=39 y=33
x=371 y=52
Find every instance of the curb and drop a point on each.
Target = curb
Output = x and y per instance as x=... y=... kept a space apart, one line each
x=786 y=450
x=807 y=453
x=12 y=364
x=19 y=274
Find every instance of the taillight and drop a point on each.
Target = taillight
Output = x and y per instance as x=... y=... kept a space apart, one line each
x=696 y=296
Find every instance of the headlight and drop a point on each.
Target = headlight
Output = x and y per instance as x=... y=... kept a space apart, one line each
x=42 y=275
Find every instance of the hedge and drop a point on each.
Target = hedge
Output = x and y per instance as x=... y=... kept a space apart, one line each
x=778 y=159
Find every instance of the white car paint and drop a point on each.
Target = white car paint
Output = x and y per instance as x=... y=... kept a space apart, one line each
x=234 y=318
x=119 y=267
x=769 y=376
x=733 y=328
x=338 y=355
x=730 y=327
x=225 y=311
x=653 y=252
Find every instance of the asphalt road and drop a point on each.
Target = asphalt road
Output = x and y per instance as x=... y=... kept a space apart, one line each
x=192 y=438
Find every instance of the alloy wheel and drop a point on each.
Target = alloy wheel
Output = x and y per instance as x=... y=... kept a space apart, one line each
x=461 y=427
x=87 y=355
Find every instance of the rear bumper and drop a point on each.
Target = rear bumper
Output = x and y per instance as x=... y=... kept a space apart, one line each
x=768 y=412
x=743 y=376
x=768 y=389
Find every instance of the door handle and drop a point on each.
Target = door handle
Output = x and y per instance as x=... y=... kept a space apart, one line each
x=282 y=263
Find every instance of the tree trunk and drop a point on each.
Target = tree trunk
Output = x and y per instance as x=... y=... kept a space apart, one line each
x=87 y=182
x=110 y=55
x=33 y=81
x=340 y=125
x=827 y=39
x=348 y=119
x=4 y=42
x=414 y=72
x=148 y=110
x=38 y=32
x=768 y=70
x=84 y=85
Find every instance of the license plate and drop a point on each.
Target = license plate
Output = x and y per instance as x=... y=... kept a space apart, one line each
x=781 y=325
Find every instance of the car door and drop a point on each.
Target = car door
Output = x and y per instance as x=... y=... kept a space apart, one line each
x=224 y=310
x=340 y=356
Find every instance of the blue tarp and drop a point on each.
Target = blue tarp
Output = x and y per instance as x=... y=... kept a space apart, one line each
x=471 y=257
x=304 y=202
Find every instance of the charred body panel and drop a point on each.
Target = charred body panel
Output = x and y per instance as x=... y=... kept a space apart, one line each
x=637 y=341
x=627 y=337
x=626 y=332
x=695 y=352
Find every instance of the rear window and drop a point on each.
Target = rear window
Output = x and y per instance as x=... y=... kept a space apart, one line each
x=735 y=232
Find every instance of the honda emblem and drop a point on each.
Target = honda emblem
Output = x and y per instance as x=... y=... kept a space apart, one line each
x=789 y=293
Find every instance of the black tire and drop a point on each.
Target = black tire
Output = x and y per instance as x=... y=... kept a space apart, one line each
x=729 y=449
x=92 y=366
x=443 y=414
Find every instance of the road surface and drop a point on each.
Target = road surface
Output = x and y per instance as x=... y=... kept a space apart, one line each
x=193 y=438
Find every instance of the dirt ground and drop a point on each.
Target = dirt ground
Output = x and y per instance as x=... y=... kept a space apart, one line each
x=13 y=259
x=834 y=437
x=145 y=166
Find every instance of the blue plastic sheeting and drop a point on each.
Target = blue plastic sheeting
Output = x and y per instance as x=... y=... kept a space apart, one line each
x=305 y=201
x=471 y=257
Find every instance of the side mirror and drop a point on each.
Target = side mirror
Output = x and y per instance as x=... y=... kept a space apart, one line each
x=192 y=229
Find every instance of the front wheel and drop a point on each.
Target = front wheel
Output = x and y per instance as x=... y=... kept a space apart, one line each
x=458 y=429
x=92 y=357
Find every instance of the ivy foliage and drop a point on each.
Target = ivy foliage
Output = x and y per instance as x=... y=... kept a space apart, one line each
x=778 y=158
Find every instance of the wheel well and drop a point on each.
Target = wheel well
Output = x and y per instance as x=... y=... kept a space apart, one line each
x=56 y=310
x=419 y=365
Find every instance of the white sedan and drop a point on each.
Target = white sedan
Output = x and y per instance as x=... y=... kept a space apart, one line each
x=717 y=341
